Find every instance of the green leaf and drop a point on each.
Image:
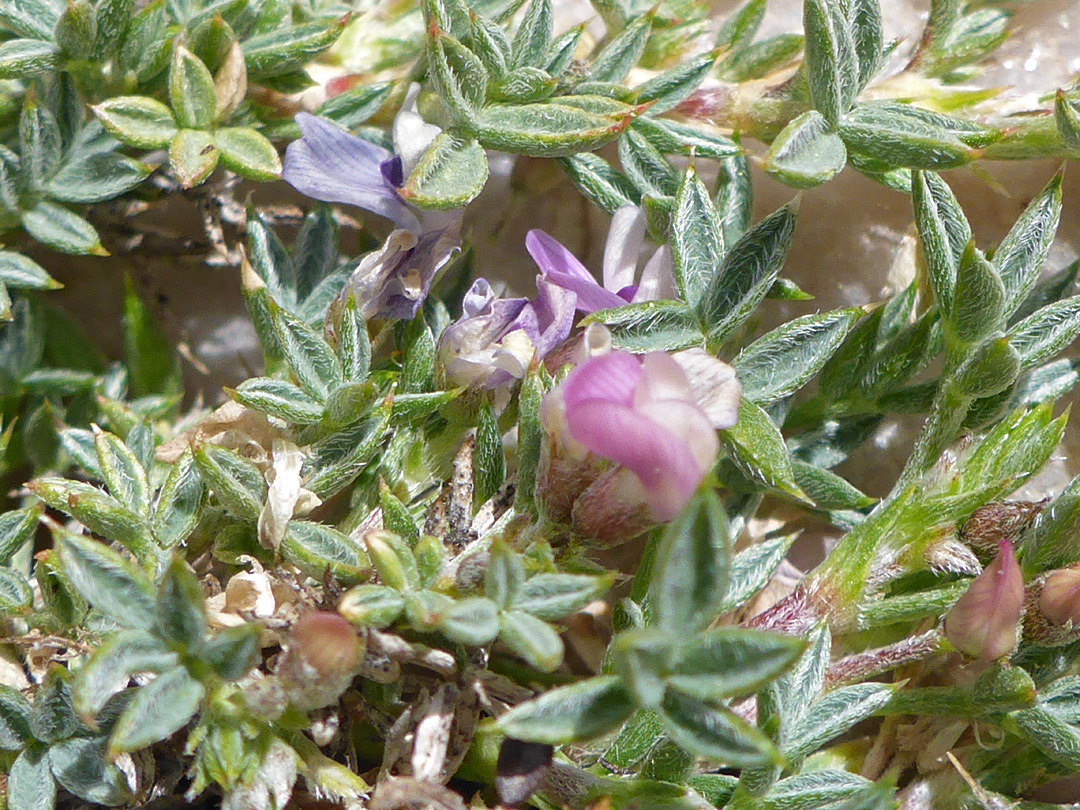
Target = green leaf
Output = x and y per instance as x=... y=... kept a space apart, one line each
x=113 y=664
x=569 y=714
x=748 y=271
x=357 y=104
x=179 y=612
x=739 y=27
x=122 y=472
x=15 y=711
x=137 y=121
x=784 y=360
x=23 y=58
x=458 y=75
x=1066 y=116
x=1045 y=333
x=107 y=581
x=697 y=243
x=752 y=569
x=193 y=156
x=279 y=398
x=555 y=596
x=282 y=50
x=728 y=662
x=531 y=639
x=316 y=549
x=235 y=482
x=450 y=174
x=868 y=38
x=62 y=230
x=550 y=129
x=334 y=462
x=1020 y=256
x=944 y=233
x=692 y=566
x=824 y=788
x=30 y=18
x=54 y=717
x=828 y=62
x=650 y=326
x=96 y=177
x=827 y=489
x=714 y=733
x=76 y=29
x=233 y=651
x=990 y=369
x=375 y=606
x=833 y=714
x=680 y=138
x=533 y=36
x=80 y=766
x=353 y=343
x=599 y=182
x=311 y=360
x=158 y=710
x=473 y=621
x=16 y=528
x=979 y=298
x=488 y=459
x=903 y=135
x=30 y=784
x=248 y=153
x=799 y=686
x=191 y=90
x=671 y=87
x=16 y=595
x=99 y=512
x=758 y=450
x=646 y=167
x=152 y=363
x=806 y=153
x=40 y=144
x=623 y=52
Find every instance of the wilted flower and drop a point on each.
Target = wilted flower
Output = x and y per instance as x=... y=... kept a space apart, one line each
x=629 y=441
x=983 y=622
x=993 y=522
x=625 y=241
x=320 y=660
x=331 y=165
x=495 y=339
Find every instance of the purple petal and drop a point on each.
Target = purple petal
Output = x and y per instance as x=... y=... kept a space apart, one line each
x=661 y=461
x=393 y=171
x=610 y=378
x=548 y=319
x=331 y=165
x=561 y=267
x=406 y=289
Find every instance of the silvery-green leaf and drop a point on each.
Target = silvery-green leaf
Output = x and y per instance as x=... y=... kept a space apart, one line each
x=451 y=173
x=122 y=472
x=739 y=27
x=473 y=621
x=81 y=767
x=829 y=59
x=727 y=662
x=833 y=714
x=568 y=714
x=530 y=439
x=24 y=58
x=137 y=120
x=798 y=687
x=16 y=527
x=236 y=483
x=112 y=665
x=179 y=611
x=806 y=153
x=523 y=85
x=1048 y=382
x=813 y=789
x=757 y=448
x=734 y=197
x=288 y=48
x=491 y=45
x=1045 y=333
x=647 y=169
x=669 y=88
x=531 y=41
x=532 y=639
x=901 y=357
x=248 y=153
x=979 y=298
x=901 y=135
x=691 y=567
x=15 y=711
x=562 y=50
x=1051 y=288
x=555 y=596
x=20 y=273
x=157 y=710
x=622 y=53
x=62 y=230
x=991 y=368
x=681 y=138
x=748 y=271
x=193 y=156
x=651 y=326
x=759 y=59
x=191 y=90
x=598 y=181
x=376 y=606
x=16 y=595
x=40 y=144
x=553 y=128
x=336 y=461
x=781 y=362
x=867 y=34
x=30 y=785
x=356 y=105
x=313 y=363
x=697 y=243
x=279 y=398
x=1067 y=116
x=458 y=75
x=1020 y=256
x=316 y=549
x=714 y=733
x=943 y=233
x=827 y=489
x=107 y=581
x=489 y=462
x=99 y=512
x=752 y=569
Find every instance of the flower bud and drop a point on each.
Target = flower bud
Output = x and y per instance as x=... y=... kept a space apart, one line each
x=322 y=652
x=983 y=623
x=994 y=522
x=1052 y=616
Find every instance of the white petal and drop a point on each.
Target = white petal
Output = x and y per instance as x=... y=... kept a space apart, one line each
x=412 y=135
x=657 y=279
x=662 y=378
x=283 y=494
x=625 y=238
x=713 y=386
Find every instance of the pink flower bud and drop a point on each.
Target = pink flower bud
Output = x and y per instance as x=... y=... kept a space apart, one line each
x=628 y=444
x=321 y=656
x=1060 y=598
x=983 y=623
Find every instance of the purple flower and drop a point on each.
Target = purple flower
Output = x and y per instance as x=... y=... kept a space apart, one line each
x=625 y=242
x=983 y=622
x=629 y=441
x=329 y=164
x=496 y=339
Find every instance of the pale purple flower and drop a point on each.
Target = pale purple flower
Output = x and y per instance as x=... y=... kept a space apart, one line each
x=496 y=339
x=629 y=442
x=622 y=252
x=329 y=164
x=983 y=622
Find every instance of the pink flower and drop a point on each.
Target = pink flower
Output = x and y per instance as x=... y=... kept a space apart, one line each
x=983 y=622
x=630 y=440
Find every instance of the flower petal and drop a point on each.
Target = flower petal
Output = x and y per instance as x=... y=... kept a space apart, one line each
x=662 y=378
x=548 y=319
x=658 y=278
x=713 y=385
x=661 y=461
x=610 y=378
x=331 y=165
x=623 y=248
x=561 y=267
x=412 y=134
